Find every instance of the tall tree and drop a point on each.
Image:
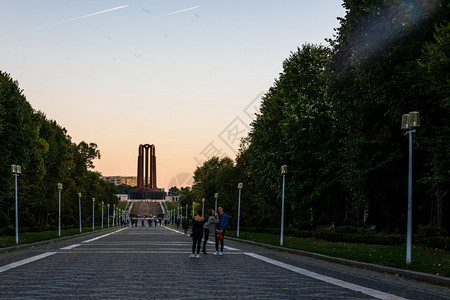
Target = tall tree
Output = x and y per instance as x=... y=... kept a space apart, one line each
x=295 y=128
x=374 y=81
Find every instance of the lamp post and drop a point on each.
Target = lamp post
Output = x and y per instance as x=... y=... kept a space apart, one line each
x=114 y=213
x=283 y=172
x=102 y=213
x=178 y=212
x=60 y=186
x=409 y=123
x=16 y=170
x=79 y=209
x=193 y=208
x=186 y=211
x=216 y=195
x=93 y=214
x=107 y=205
x=203 y=206
x=240 y=184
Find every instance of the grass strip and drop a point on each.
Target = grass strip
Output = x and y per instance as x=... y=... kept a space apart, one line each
x=432 y=261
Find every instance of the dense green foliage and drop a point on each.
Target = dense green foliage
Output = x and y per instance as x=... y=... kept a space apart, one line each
x=333 y=117
x=47 y=157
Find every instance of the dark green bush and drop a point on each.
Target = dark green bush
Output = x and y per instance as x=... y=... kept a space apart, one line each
x=426 y=232
x=38 y=228
x=377 y=239
x=303 y=225
x=9 y=230
x=4 y=219
x=26 y=219
x=301 y=233
x=439 y=242
x=346 y=229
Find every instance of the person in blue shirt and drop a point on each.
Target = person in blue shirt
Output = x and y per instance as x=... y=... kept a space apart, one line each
x=220 y=230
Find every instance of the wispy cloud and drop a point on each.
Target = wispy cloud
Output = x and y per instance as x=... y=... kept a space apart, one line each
x=81 y=17
x=183 y=10
x=70 y=20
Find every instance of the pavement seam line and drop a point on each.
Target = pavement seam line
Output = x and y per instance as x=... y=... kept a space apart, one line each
x=367 y=291
x=70 y=247
x=102 y=236
x=25 y=261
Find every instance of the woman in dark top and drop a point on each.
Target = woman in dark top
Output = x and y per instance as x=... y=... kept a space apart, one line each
x=197 y=233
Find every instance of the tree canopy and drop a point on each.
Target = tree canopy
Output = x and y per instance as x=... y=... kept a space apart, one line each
x=47 y=156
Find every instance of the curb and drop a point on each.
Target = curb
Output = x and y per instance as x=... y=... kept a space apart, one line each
x=430 y=278
x=51 y=241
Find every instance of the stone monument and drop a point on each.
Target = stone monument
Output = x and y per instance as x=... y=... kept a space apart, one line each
x=146 y=174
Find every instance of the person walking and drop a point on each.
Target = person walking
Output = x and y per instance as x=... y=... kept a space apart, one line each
x=185 y=224
x=220 y=230
x=197 y=234
x=209 y=227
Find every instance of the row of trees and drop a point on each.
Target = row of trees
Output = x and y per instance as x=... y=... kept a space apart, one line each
x=47 y=157
x=333 y=117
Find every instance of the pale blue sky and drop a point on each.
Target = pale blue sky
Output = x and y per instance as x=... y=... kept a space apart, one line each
x=142 y=75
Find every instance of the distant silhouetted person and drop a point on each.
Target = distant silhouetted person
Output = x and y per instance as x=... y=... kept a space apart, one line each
x=185 y=224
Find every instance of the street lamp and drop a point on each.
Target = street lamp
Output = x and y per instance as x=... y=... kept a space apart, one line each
x=93 y=214
x=283 y=172
x=203 y=206
x=114 y=213
x=107 y=205
x=60 y=186
x=186 y=211
x=102 y=213
x=16 y=170
x=193 y=208
x=240 y=184
x=409 y=123
x=79 y=208
x=216 y=195
x=178 y=212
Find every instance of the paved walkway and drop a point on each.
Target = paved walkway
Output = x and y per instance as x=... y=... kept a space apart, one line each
x=153 y=263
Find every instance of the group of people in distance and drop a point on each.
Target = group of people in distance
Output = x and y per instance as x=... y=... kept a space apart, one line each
x=217 y=223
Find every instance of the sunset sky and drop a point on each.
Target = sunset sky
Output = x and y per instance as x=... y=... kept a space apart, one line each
x=186 y=76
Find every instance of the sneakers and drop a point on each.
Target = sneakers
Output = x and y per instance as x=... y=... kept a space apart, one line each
x=192 y=255
x=220 y=253
x=197 y=256
x=216 y=252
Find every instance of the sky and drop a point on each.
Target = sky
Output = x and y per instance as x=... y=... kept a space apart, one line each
x=186 y=76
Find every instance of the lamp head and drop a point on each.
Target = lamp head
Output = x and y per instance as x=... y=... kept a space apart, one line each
x=411 y=120
x=60 y=186
x=283 y=169
x=405 y=122
x=414 y=120
x=240 y=184
x=16 y=169
x=216 y=195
